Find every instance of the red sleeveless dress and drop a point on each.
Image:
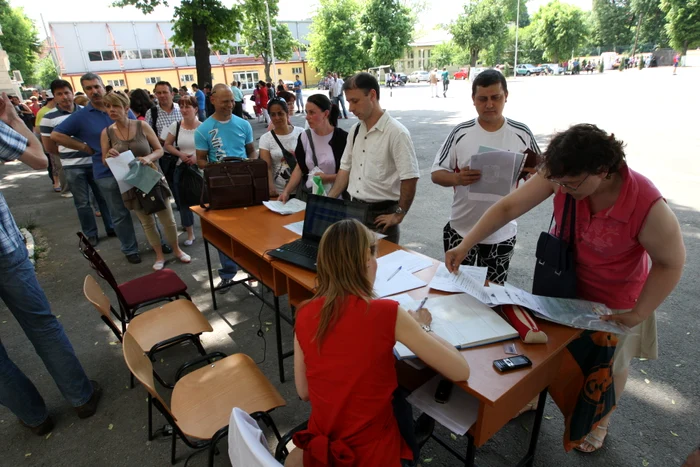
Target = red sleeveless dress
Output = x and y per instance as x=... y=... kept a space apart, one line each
x=351 y=381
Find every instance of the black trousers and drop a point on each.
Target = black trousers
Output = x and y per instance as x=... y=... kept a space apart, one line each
x=393 y=233
x=238 y=109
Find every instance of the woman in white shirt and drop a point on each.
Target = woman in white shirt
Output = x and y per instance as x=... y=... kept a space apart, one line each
x=319 y=149
x=277 y=146
x=180 y=142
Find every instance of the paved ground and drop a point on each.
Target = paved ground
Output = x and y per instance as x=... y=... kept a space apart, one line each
x=658 y=420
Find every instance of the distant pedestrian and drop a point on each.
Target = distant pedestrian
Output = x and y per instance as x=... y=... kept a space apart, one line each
x=297 y=91
x=433 y=78
x=676 y=61
x=201 y=102
x=445 y=81
x=338 y=98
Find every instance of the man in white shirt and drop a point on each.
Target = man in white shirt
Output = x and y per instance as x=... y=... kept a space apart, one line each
x=451 y=169
x=338 y=98
x=379 y=166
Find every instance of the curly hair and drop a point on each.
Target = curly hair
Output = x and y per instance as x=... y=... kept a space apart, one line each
x=582 y=149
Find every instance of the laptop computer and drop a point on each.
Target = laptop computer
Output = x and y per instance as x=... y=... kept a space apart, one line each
x=321 y=212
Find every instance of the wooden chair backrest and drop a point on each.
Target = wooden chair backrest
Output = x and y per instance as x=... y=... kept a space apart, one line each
x=95 y=295
x=96 y=262
x=140 y=366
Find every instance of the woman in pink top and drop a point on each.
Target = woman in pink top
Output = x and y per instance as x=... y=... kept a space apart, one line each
x=621 y=222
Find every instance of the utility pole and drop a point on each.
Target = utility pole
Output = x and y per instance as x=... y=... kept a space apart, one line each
x=517 y=26
x=272 y=47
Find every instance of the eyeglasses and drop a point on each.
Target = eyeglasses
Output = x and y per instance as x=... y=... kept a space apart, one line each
x=569 y=187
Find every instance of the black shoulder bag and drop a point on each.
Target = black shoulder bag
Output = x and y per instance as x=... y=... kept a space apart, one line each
x=191 y=181
x=555 y=270
x=288 y=156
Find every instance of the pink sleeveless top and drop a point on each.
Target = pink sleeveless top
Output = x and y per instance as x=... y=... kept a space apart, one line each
x=611 y=264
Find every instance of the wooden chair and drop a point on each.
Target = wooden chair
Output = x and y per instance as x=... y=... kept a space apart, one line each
x=159 y=286
x=202 y=400
x=160 y=328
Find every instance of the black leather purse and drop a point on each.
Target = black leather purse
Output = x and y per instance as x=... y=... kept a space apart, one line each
x=555 y=270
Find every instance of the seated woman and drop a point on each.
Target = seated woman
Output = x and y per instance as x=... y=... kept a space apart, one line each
x=344 y=361
x=124 y=135
x=319 y=149
x=621 y=222
x=277 y=146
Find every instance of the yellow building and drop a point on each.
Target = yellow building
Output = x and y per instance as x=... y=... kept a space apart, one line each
x=417 y=55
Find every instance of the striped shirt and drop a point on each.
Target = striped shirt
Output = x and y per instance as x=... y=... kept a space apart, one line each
x=455 y=154
x=12 y=146
x=70 y=158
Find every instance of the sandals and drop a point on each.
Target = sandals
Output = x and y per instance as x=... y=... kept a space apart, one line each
x=593 y=441
x=529 y=407
x=158 y=265
x=189 y=242
x=184 y=258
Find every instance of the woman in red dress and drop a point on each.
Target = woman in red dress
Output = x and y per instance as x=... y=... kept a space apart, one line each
x=344 y=361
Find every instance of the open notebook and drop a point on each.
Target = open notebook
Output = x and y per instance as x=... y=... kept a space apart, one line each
x=463 y=321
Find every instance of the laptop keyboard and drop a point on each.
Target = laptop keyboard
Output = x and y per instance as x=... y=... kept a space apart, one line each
x=304 y=249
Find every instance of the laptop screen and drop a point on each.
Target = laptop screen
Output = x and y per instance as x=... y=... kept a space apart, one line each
x=322 y=211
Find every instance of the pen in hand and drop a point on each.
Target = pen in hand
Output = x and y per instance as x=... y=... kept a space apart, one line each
x=394 y=273
x=422 y=303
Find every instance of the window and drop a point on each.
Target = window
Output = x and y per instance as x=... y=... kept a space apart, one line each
x=152 y=80
x=190 y=52
x=247 y=79
x=296 y=70
x=187 y=78
x=95 y=56
x=107 y=55
x=279 y=71
x=146 y=53
x=117 y=83
x=130 y=55
x=180 y=53
x=158 y=53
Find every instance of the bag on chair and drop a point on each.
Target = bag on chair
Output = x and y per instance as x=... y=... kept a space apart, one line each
x=235 y=183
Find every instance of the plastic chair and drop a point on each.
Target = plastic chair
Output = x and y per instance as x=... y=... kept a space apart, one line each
x=159 y=286
x=202 y=400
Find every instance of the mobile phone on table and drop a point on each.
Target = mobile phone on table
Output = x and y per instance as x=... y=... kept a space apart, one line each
x=442 y=393
x=512 y=363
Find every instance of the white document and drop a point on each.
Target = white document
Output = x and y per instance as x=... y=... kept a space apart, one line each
x=404 y=300
x=443 y=281
x=290 y=207
x=467 y=284
x=458 y=414
x=120 y=167
x=408 y=261
x=296 y=227
x=399 y=282
x=496 y=175
x=519 y=160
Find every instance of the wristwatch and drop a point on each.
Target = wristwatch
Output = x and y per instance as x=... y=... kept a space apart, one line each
x=399 y=211
x=426 y=327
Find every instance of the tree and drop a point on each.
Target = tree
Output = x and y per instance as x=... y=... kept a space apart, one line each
x=683 y=27
x=19 y=39
x=335 y=37
x=559 y=29
x=481 y=24
x=256 y=34
x=648 y=13
x=511 y=8
x=443 y=54
x=45 y=72
x=387 y=28
x=202 y=22
x=613 y=21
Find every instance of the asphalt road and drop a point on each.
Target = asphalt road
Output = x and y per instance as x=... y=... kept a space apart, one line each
x=658 y=419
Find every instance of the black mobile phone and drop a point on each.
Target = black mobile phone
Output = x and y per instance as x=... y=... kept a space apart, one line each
x=442 y=393
x=512 y=363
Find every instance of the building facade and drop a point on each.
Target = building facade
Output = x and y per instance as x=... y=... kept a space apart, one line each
x=417 y=55
x=137 y=54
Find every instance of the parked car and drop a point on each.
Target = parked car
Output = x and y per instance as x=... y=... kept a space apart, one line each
x=403 y=77
x=322 y=85
x=418 y=76
x=527 y=69
x=461 y=74
x=551 y=69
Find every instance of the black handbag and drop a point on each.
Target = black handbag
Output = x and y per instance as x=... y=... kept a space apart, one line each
x=555 y=270
x=190 y=185
x=153 y=201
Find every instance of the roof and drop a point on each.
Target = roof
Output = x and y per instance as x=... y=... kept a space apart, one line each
x=432 y=37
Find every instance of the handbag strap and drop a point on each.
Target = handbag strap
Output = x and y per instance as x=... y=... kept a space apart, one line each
x=288 y=156
x=154 y=118
x=572 y=223
x=177 y=132
x=313 y=149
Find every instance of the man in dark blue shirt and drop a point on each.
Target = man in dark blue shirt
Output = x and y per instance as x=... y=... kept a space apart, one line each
x=201 y=102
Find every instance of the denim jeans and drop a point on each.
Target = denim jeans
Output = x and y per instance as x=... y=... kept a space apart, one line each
x=123 y=224
x=228 y=267
x=340 y=102
x=186 y=215
x=81 y=181
x=21 y=292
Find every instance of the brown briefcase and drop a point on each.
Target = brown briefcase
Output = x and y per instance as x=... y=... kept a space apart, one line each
x=235 y=183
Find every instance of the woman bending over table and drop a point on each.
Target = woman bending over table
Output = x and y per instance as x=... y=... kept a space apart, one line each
x=621 y=222
x=344 y=361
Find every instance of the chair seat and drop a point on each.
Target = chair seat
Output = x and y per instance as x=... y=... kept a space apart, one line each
x=202 y=400
x=169 y=320
x=160 y=284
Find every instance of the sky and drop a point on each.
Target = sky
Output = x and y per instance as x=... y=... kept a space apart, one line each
x=439 y=11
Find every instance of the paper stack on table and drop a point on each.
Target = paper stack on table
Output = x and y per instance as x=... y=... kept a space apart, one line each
x=393 y=281
x=290 y=207
x=444 y=281
x=458 y=414
x=409 y=262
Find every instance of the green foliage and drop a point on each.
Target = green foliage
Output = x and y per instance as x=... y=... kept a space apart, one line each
x=444 y=54
x=511 y=12
x=613 y=22
x=529 y=47
x=683 y=27
x=482 y=24
x=641 y=62
x=45 y=72
x=653 y=26
x=601 y=67
x=387 y=29
x=256 y=33
x=335 y=37
x=559 y=29
x=507 y=70
x=20 y=40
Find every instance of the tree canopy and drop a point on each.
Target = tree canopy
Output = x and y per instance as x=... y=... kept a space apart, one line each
x=20 y=39
x=613 y=21
x=335 y=37
x=387 y=29
x=559 y=29
x=683 y=23
x=481 y=25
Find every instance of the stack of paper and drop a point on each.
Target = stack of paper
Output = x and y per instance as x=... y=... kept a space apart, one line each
x=408 y=261
x=390 y=282
x=458 y=414
x=290 y=207
x=462 y=321
x=499 y=173
x=444 y=281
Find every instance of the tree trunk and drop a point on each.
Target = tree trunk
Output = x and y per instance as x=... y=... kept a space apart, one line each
x=636 y=35
x=267 y=63
x=684 y=52
x=474 y=56
x=201 y=54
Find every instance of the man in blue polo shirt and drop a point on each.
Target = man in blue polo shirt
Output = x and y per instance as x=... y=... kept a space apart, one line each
x=201 y=102
x=224 y=135
x=81 y=132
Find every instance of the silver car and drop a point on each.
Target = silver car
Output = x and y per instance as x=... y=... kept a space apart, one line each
x=418 y=76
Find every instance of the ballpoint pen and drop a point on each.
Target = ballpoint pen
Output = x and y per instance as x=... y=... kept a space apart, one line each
x=395 y=273
x=422 y=303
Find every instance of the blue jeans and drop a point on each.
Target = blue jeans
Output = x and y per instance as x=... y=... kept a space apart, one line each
x=123 y=224
x=186 y=215
x=22 y=294
x=299 y=101
x=228 y=267
x=81 y=181
x=340 y=102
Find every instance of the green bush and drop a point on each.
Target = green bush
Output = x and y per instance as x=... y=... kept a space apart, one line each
x=641 y=62
x=507 y=70
x=601 y=67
